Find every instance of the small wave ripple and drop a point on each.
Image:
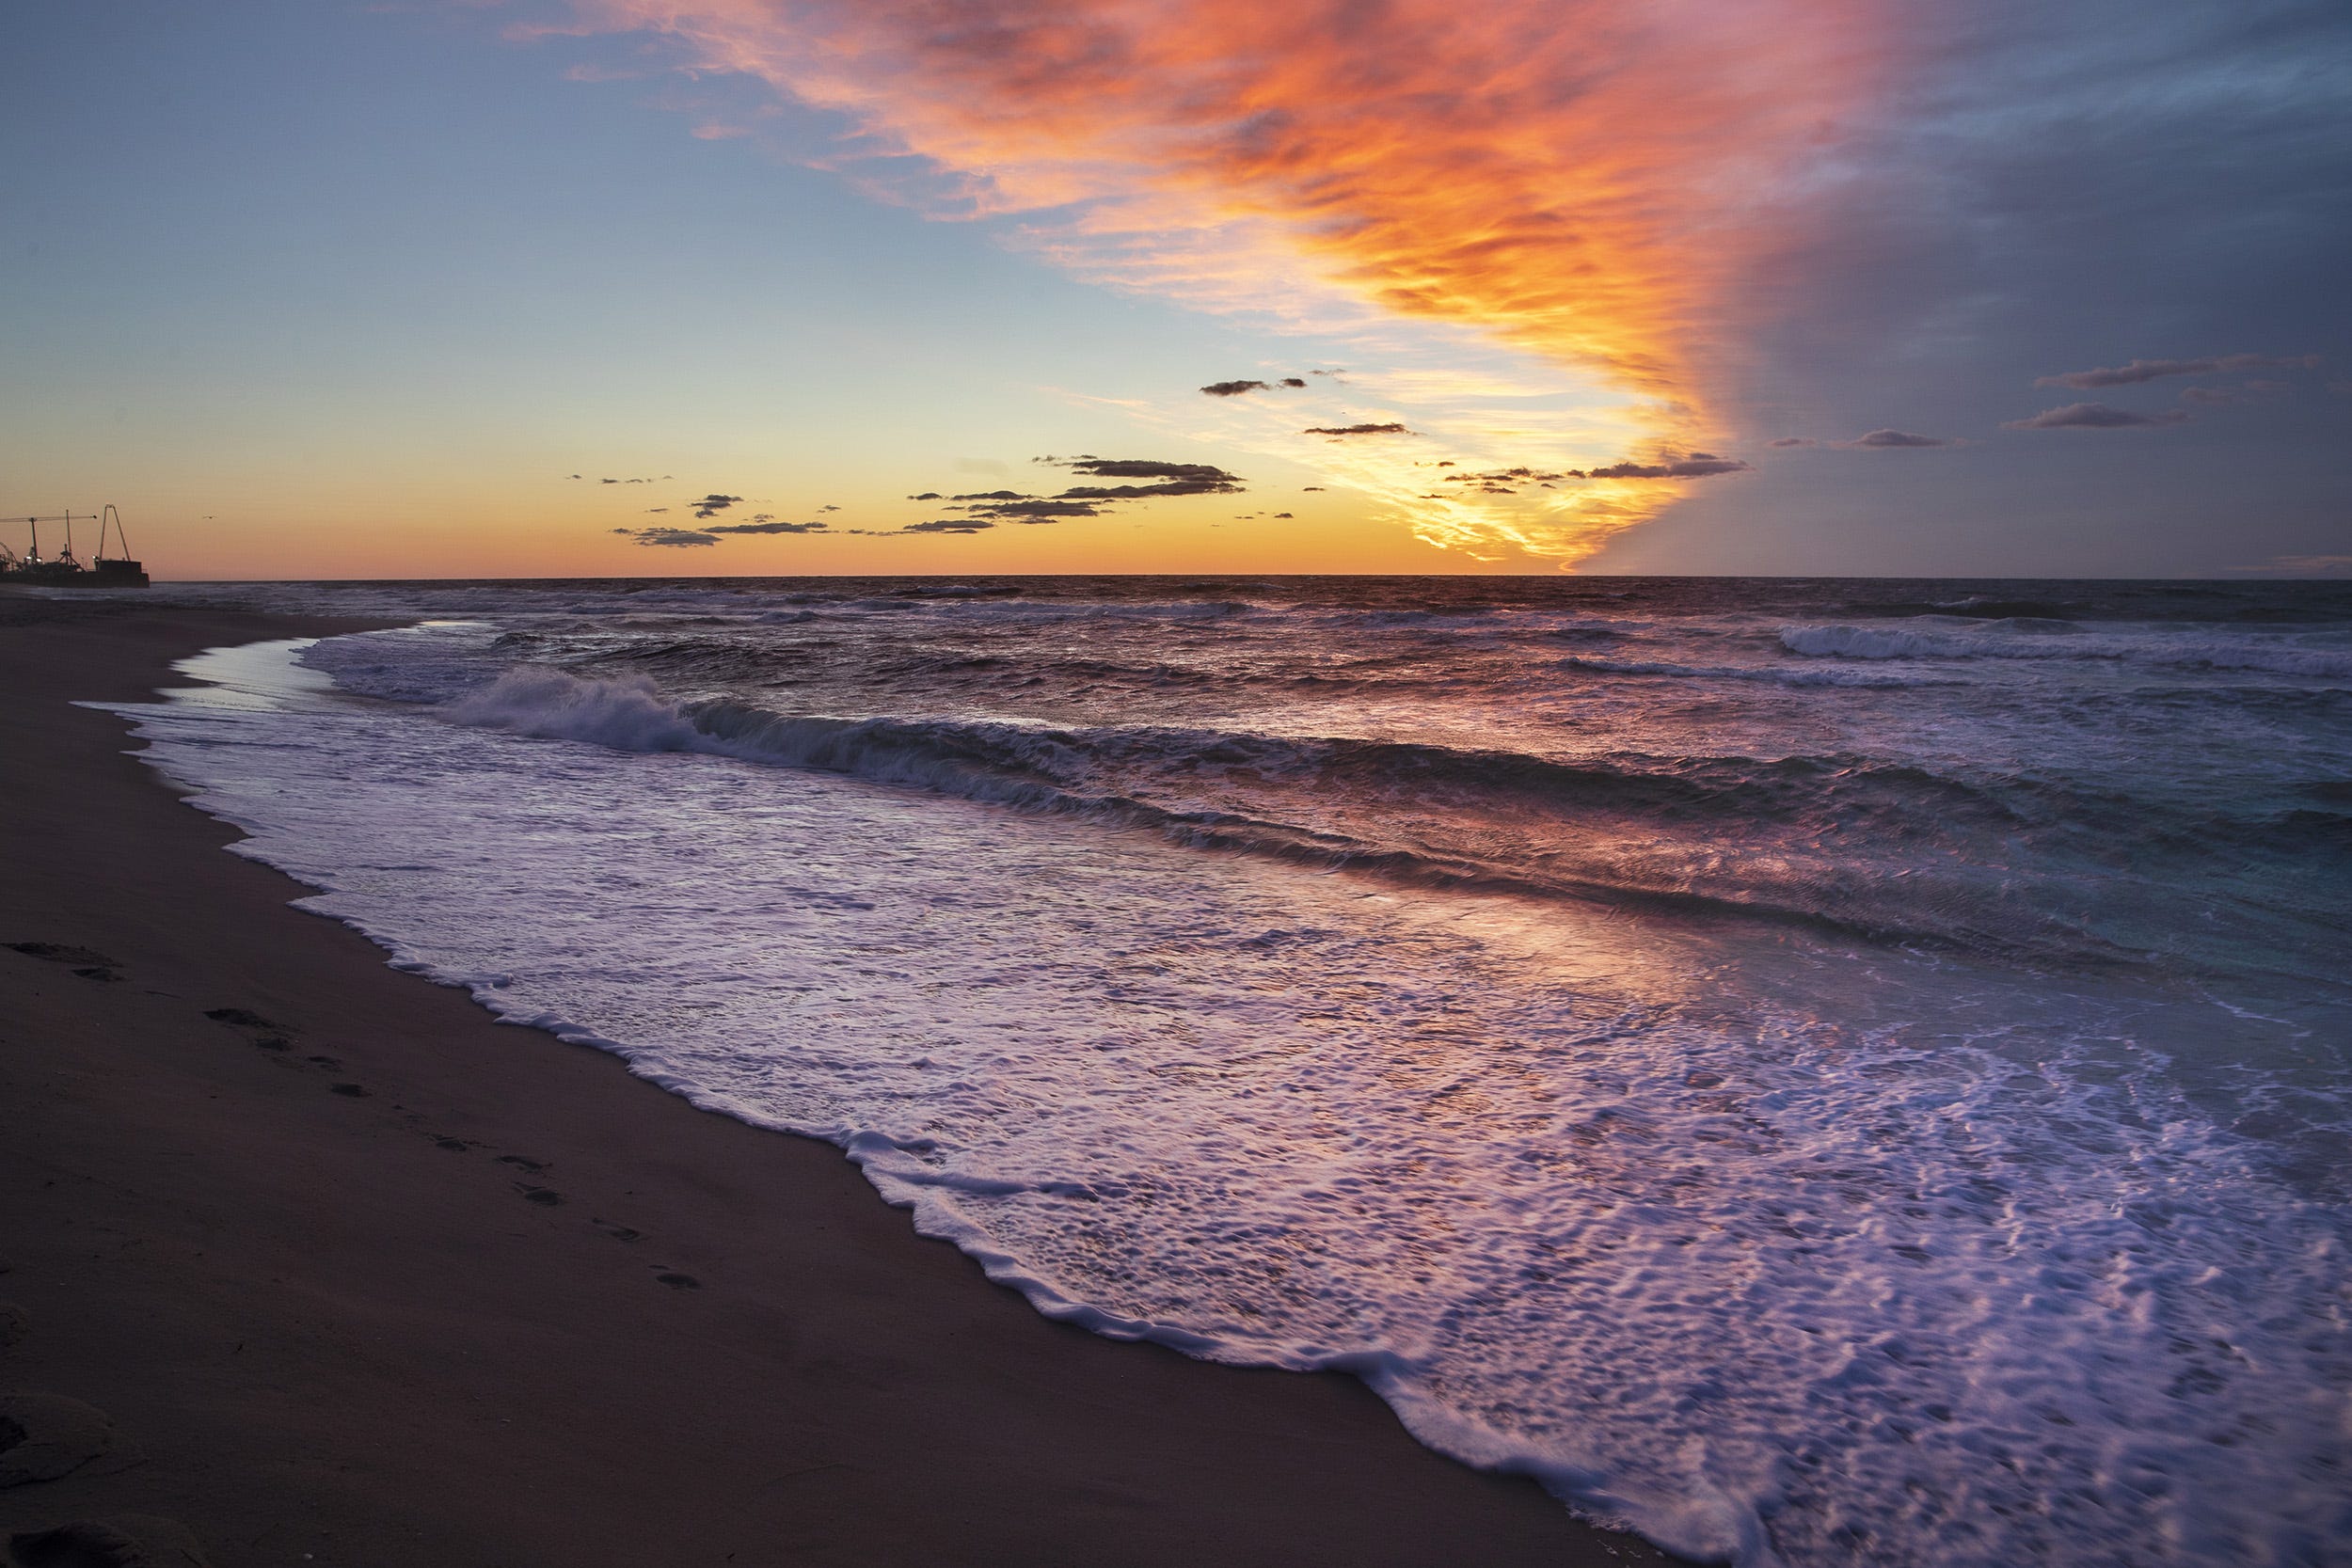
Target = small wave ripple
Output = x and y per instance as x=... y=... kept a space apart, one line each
x=2329 y=659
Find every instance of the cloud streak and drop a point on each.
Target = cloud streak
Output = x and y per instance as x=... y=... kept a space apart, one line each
x=2094 y=416
x=1891 y=440
x=1390 y=429
x=2154 y=370
x=1584 y=182
x=766 y=525
x=670 y=538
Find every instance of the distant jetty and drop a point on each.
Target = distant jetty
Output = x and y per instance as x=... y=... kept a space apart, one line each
x=67 y=570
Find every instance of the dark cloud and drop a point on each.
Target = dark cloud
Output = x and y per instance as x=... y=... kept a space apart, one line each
x=711 y=505
x=1309 y=489
x=985 y=509
x=673 y=537
x=768 y=525
x=1140 y=467
x=2093 y=416
x=2055 y=187
x=1030 y=509
x=1685 y=468
x=1236 y=388
x=1698 y=465
x=1892 y=440
x=1281 y=515
x=1145 y=492
x=1357 y=430
x=1497 y=476
x=1796 y=441
x=1173 y=479
x=2153 y=369
x=655 y=511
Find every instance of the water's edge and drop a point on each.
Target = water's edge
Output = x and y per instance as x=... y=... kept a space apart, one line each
x=1388 y=1376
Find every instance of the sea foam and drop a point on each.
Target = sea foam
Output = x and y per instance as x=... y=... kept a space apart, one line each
x=1774 y=1251
x=1801 y=1243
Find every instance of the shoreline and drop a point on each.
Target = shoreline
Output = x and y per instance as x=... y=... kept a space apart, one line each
x=420 y=1287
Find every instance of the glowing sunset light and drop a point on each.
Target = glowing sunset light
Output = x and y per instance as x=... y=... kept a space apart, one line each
x=1760 y=287
x=1506 y=203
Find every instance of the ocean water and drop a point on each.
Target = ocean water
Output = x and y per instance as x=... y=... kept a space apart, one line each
x=1815 y=1071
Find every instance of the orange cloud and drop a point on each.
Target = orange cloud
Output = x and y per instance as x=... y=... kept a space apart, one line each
x=1581 y=180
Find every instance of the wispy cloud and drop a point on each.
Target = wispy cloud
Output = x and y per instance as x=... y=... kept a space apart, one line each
x=672 y=538
x=1576 y=182
x=2094 y=416
x=1890 y=440
x=766 y=525
x=1698 y=465
x=1163 y=479
x=2155 y=370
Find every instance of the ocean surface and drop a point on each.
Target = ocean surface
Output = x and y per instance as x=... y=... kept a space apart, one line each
x=1824 y=1072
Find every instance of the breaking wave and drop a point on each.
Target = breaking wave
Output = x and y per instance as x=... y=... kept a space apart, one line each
x=1894 y=852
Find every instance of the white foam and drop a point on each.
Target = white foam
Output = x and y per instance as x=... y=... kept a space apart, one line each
x=626 y=713
x=1771 y=1249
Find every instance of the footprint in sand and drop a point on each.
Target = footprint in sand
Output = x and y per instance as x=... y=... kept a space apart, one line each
x=15 y=1322
x=547 y=1197
x=43 y=1436
x=455 y=1146
x=618 y=1232
x=355 y=1091
x=675 y=1280
x=523 y=1162
x=244 y=1017
x=87 y=962
x=119 y=1540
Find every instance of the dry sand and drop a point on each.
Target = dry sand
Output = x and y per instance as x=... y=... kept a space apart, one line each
x=361 y=1277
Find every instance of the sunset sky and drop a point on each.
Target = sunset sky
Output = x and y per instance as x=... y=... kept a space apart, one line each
x=455 y=288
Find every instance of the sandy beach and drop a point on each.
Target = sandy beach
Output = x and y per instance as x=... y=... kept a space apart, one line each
x=361 y=1277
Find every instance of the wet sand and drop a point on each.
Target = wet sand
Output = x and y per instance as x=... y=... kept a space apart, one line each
x=362 y=1278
